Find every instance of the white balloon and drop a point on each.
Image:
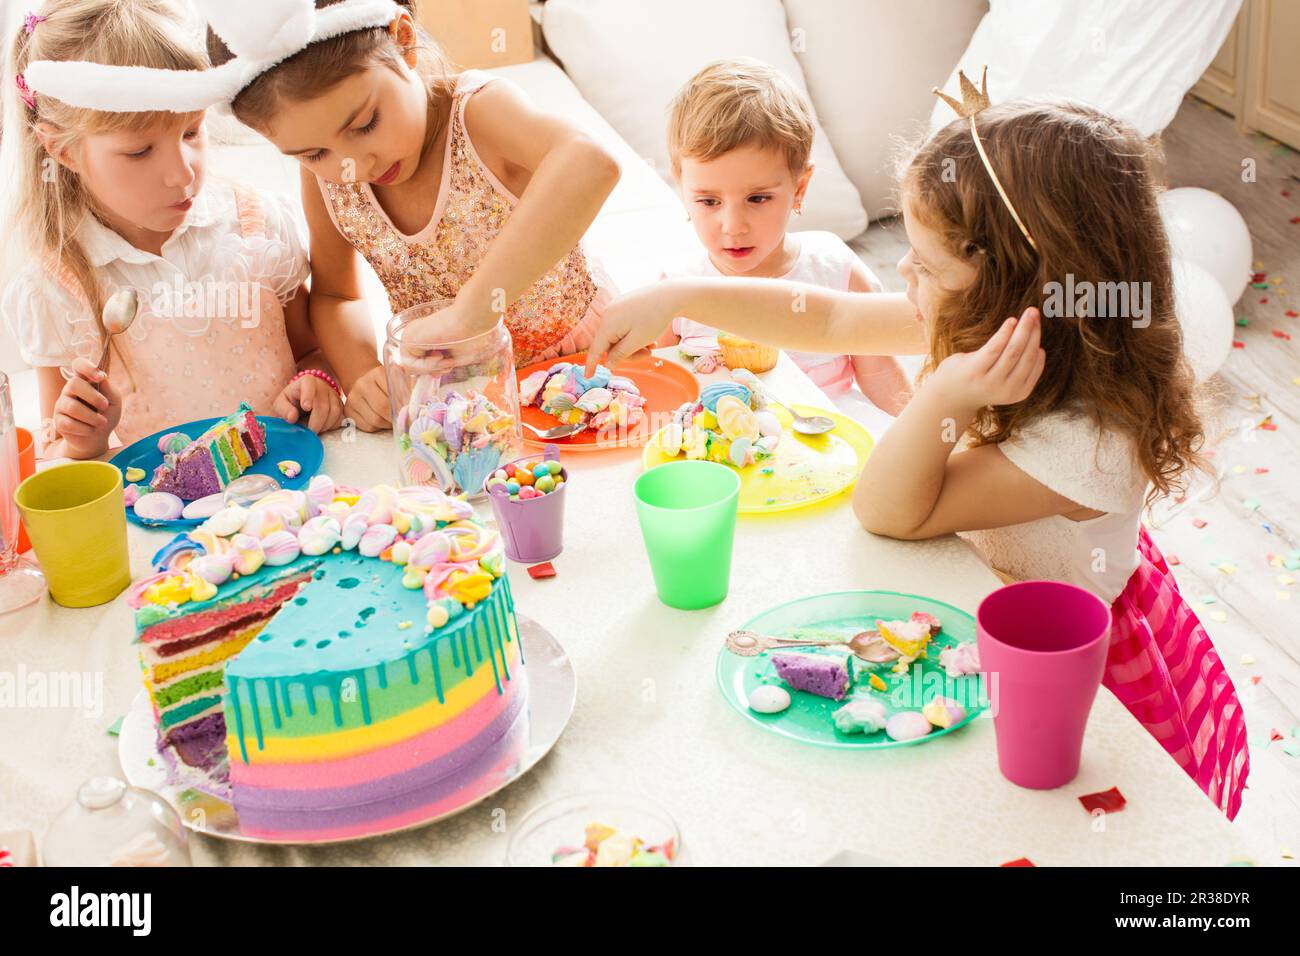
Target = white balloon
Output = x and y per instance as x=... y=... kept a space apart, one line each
x=1206 y=317
x=1206 y=229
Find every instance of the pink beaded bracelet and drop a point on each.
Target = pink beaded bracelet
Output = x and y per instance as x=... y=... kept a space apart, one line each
x=325 y=377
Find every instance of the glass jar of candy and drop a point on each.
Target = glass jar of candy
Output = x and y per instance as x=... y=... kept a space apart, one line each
x=455 y=404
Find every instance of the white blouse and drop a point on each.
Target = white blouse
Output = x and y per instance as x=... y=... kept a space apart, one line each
x=52 y=327
x=1065 y=451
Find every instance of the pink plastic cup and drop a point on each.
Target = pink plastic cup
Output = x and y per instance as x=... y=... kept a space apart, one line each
x=1042 y=649
x=532 y=530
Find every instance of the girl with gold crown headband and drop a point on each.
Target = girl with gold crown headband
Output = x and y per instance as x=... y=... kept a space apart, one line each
x=1040 y=437
x=108 y=193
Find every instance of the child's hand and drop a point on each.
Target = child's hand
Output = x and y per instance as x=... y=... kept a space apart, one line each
x=87 y=411
x=1004 y=371
x=368 y=401
x=422 y=338
x=630 y=322
x=313 y=397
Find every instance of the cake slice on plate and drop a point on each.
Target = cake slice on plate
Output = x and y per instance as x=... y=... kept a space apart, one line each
x=825 y=675
x=214 y=459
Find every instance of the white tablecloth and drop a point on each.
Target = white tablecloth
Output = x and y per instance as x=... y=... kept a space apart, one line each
x=650 y=719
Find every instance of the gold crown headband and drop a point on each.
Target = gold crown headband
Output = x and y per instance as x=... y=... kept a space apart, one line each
x=973 y=102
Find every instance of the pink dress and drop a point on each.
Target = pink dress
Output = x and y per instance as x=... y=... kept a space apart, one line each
x=556 y=316
x=1161 y=665
x=210 y=330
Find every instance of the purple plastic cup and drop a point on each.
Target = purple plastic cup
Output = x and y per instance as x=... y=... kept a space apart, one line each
x=1043 y=648
x=531 y=530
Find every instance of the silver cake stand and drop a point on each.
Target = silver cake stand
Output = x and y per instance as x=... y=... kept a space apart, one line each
x=552 y=689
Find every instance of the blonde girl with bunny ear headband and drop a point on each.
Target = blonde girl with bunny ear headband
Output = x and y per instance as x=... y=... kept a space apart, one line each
x=111 y=195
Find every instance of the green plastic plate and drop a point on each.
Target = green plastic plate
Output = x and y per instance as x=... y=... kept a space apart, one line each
x=839 y=616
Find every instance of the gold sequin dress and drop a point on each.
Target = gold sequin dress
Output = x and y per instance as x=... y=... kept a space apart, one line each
x=558 y=313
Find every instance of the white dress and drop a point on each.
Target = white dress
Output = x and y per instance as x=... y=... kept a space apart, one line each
x=1065 y=451
x=822 y=260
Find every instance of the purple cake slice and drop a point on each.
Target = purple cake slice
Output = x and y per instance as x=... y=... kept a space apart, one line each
x=214 y=459
x=821 y=674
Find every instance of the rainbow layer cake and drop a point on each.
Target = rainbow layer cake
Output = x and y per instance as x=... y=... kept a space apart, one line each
x=210 y=462
x=336 y=662
x=602 y=401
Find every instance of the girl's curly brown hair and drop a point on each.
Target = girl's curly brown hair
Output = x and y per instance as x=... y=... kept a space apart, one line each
x=1084 y=185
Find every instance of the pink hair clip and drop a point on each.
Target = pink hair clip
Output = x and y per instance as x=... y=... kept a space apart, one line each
x=27 y=95
x=29 y=23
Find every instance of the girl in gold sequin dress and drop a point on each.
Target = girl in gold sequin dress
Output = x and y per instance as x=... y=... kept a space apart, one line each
x=450 y=185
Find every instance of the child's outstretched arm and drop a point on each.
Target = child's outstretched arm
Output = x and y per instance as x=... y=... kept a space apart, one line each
x=340 y=317
x=879 y=377
x=913 y=486
x=762 y=309
x=568 y=174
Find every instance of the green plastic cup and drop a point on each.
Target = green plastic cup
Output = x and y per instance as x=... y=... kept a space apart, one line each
x=687 y=511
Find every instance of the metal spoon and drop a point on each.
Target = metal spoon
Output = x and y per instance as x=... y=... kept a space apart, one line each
x=119 y=312
x=559 y=431
x=867 y=645
x=805 y=424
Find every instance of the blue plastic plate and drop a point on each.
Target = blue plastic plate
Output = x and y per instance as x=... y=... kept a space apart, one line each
x=283 y=442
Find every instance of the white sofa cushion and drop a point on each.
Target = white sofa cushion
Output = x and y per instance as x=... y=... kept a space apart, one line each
x=630 y=57
x=870 y=68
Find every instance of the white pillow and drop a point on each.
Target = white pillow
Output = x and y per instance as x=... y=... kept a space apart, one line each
x=1131 y=60
x=630 y=57
x=870 y=68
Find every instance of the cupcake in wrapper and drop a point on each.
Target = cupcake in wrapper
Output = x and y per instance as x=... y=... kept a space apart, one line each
x=742 y=353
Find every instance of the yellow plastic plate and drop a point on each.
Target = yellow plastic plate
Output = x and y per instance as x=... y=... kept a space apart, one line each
x=804 y=470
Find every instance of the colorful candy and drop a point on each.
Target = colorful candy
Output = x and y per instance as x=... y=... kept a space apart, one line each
x=606 y=846
x=249 y=554
x=204 y=507
x=943 y=712
x=769 y=699
x=135 y=474
x=319 y=535
x=453 y=441
x=728 y=424
x=289 y=468
x=158 y=506
x=600 y=401
x=863 y=715
x=907 y=725
x=960 y=660
x=173 y=443
x=280 y=547
x=524 y=480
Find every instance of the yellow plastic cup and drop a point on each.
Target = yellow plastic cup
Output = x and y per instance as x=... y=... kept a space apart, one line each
x=76 y=519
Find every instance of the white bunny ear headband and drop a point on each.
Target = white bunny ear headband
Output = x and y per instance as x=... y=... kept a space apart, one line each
x=260 y=34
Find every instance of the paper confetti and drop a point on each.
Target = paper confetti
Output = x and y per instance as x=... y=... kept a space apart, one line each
x=1199 y=522
x=1247 y=659
x=1108 y=801
x=1291 y=748
x=115 y=728
x=1023 y=861
x=544 y=570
